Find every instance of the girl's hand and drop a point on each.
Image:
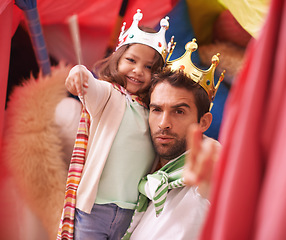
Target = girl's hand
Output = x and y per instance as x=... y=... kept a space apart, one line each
x=77 y=80
x=200 y=161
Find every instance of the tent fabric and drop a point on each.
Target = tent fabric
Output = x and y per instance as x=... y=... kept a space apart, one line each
x=9 y=20
x=5 y=43
x=250 y=14
x=227 y=29
x=203 y=14
x=249 y=195
x=4 y=4
x=96 y=20
x=90 y=12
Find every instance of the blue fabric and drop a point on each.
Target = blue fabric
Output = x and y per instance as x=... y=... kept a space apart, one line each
x=31 y=13
x=38 y=40
x=106 y=221
x=26 y=4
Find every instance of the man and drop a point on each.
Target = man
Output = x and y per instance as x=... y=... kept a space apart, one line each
x=175 y=210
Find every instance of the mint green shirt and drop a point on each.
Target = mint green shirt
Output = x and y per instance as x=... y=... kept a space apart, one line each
x=130 y=158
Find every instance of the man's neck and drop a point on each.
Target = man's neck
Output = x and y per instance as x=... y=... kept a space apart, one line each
x=162 y=162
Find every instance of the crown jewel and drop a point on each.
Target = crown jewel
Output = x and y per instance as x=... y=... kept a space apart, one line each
x=204 y=77
x=136 y=35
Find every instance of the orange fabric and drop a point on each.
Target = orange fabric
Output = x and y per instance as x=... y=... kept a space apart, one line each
x=249 y=195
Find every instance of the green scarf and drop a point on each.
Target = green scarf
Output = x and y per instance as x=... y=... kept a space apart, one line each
x=155 y=187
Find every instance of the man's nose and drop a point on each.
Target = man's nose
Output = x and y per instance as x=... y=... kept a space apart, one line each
x=165 y=121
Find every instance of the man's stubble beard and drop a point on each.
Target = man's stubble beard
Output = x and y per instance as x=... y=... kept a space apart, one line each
x=170 y=151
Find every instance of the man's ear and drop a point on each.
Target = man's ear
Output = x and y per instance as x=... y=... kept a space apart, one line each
x=206 y=121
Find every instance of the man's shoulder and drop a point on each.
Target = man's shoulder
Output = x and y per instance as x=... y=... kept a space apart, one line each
x=211 y=140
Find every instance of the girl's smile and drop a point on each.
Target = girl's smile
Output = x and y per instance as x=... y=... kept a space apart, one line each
x=135 y=64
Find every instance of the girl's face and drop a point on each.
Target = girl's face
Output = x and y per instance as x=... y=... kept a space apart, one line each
x=135 y=64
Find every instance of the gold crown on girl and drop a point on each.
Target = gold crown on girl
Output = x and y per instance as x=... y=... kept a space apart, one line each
x=135 y=35
x=204 y=77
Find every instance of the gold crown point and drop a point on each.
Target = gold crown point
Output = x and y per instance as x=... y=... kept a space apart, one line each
x=218 y=83
x=191 y=46
x=170 y=48
x=215 y=59
x=220 y=78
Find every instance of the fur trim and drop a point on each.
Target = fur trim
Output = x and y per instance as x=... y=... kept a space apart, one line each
x=32 y=148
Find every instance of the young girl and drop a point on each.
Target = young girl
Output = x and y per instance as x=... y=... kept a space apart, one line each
x=119 y=150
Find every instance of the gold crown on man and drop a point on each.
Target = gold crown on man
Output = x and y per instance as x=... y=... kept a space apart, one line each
x=204 y=77
x=135 y=35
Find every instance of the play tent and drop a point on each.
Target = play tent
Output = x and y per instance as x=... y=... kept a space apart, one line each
x=97 y=20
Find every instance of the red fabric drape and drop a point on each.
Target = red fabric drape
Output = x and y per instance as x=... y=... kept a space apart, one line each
x=94 y=13
x=97 y=13
x=5 y=43
x=9 y=19
x=249 y=194
x=96 y=21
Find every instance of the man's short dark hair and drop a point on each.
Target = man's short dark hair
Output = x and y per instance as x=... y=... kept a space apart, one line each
x=179 y=79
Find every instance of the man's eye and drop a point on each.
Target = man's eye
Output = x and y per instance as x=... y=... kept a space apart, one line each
x=178 y=111
x=155 y=109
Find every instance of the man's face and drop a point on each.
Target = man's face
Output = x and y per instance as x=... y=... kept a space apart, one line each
x=172 y=110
